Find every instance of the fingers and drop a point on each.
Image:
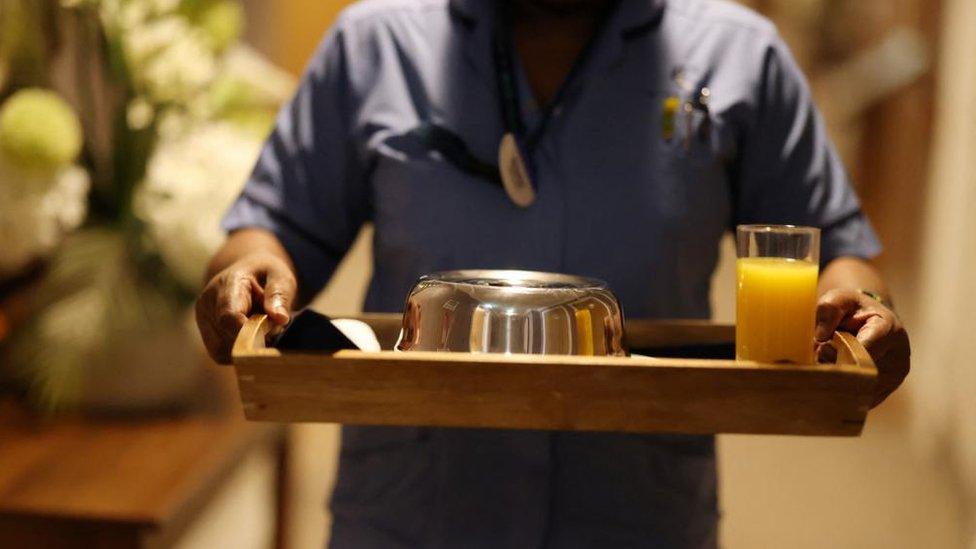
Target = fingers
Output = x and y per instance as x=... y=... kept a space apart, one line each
x=877 y=328
x=850 y=310
x=209 y=332
x=235 y=293
x=222 y=310
x=832 y=309
x=826 y=353
x=874 y=334
x=894 y=368
x=279 y=293
x=234 y=300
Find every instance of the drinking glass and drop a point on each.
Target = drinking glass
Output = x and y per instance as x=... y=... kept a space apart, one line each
x=776 y=293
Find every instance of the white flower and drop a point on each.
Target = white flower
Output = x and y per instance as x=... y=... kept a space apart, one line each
x=165 y=6
x=190 y=181
x=78 y=3
x=269 y=84
x=168 y=59
x=248 y=91
x=67 y=203
x=139 y=113
x=37 y=209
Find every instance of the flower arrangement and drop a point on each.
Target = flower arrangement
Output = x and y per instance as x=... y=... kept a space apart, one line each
x=126 y=128
x=42 y=191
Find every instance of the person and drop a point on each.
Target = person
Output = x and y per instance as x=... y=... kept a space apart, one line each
x=645 y=129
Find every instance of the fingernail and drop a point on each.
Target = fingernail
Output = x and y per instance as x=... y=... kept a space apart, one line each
x=277 y=303
x=827 y=353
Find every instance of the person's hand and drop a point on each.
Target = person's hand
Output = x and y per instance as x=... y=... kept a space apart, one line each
x=877 y=327
x=260 y=281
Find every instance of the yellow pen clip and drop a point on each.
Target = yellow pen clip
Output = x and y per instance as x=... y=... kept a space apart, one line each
x=669 y=111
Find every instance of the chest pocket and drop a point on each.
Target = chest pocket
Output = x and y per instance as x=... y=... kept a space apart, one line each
x=692 y=144
x=688 y=133
x=685 y=154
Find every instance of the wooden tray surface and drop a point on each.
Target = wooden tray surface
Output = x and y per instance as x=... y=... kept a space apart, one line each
x=630 y=394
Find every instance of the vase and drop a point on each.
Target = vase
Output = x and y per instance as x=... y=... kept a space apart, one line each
x=105 y=338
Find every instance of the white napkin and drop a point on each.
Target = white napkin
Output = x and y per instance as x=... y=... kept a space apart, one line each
x=358 y=332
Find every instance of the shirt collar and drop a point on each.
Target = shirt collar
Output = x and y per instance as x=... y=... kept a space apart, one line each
x=631 y=14
x=631 y=19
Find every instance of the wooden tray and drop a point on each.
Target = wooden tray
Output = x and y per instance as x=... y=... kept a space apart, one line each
x=634 y=394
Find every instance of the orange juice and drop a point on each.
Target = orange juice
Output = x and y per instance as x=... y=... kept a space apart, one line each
x=776 y=308
x=584 y=332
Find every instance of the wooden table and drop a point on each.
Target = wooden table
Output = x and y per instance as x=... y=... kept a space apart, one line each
x=73 y=482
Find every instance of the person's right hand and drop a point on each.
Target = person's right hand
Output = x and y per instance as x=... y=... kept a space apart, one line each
x=256 y=282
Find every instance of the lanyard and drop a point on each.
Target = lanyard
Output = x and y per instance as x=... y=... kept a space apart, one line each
x=453 y=148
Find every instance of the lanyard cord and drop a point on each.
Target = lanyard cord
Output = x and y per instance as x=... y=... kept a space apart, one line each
x=505 y=70
x=504 y=60
x=455 y=150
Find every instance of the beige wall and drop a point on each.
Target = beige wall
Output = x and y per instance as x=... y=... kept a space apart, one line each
x=302 y=23
x=944 y=374
x=289 y=30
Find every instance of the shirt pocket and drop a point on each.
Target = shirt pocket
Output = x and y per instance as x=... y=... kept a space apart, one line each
x=695 y=154
x=687 y=137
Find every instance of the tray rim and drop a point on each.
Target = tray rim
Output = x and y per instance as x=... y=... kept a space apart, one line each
x=852 y=357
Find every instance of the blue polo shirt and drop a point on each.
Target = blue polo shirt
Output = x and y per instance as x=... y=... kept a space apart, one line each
x=619 y=197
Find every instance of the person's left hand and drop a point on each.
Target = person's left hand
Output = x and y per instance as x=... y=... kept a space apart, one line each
x=877 y=327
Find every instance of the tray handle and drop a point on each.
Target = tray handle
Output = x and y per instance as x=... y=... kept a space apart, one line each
x=252 y=338
x=850 y=351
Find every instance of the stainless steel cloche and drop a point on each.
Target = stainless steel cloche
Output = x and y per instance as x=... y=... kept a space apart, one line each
x=492 y=311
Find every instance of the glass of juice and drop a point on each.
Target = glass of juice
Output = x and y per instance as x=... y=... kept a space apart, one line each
x=776 y=293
